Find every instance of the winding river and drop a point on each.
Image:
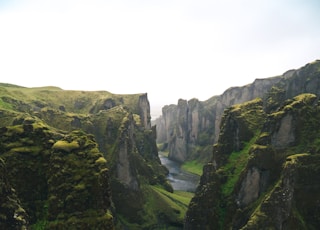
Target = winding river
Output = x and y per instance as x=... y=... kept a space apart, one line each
x=179 y=179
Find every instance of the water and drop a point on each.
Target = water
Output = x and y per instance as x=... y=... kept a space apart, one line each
x=179 y=179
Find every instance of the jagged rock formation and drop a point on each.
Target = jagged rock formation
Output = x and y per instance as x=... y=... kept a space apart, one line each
x=83 y=148
x=264 y=170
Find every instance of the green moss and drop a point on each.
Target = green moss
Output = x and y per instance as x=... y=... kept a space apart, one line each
x=33 y=150
x=264 y=134
x=80 y=186
x=18 y=129
x=137 y=119
x=293 y=158
x=65 y=145
x=101 y=160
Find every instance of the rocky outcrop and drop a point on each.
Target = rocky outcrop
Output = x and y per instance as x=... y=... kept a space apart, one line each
x=180 y=127
x=120 y=127
x=254 y=180
x=178 y=142
x=144 y=111
x=125 y=171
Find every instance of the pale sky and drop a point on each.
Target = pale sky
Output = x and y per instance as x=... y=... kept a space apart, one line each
x=169 y=49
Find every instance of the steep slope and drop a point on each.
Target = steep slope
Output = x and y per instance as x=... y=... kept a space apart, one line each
x=120 y=126
x=264 y=170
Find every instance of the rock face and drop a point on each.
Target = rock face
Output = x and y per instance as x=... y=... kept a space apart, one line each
x=144 y=111
x=124 y=171
x=263 y=173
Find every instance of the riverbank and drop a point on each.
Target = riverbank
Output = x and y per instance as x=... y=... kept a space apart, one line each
x=179 y=178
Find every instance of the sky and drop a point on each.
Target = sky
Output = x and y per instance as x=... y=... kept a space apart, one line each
x=170 y=49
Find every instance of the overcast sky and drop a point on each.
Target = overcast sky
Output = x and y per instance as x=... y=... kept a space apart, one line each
x=170 y=49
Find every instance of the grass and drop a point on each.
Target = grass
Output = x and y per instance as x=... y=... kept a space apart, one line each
x=173 y=205
x=5 y=105
x=162 y=205
x=179 y=197
x=193 y=167
x=66 y=146
x=236 y=164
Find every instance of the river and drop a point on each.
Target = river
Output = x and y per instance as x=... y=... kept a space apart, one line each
x=179 y=179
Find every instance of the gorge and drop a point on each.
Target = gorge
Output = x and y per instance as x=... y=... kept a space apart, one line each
x=95 y=160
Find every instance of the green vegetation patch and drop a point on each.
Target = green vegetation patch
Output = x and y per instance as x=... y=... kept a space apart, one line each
x=162 y=209
x=194 y=167
x=101 y=160
x=172 y=205
x=180 y=197
x=293 y=158
x=5 y=105
x=66 y=146
x=34 y=150
x=235 y=165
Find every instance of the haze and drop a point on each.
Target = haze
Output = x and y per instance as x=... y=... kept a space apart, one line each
x=169 y=49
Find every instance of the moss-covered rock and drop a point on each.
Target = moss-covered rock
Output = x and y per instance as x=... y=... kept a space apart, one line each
x=78 y=189
x=61 y=180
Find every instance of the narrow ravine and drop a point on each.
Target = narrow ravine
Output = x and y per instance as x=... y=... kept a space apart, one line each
x=179 y=179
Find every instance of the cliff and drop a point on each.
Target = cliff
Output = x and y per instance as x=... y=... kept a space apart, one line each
x=189 y=128
x=82 y=159
x=264 y=168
